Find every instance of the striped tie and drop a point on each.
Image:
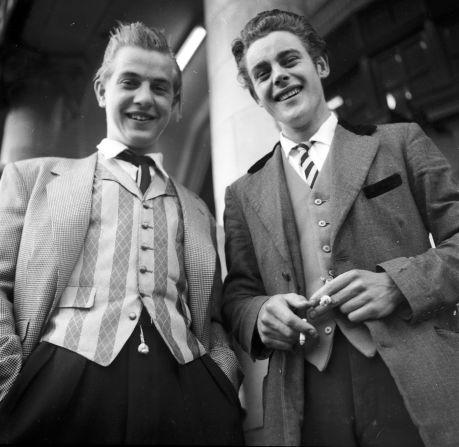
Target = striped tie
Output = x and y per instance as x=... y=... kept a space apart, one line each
x=310 y=169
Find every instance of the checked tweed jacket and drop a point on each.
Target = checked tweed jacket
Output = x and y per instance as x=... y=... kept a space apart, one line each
x=44 y=216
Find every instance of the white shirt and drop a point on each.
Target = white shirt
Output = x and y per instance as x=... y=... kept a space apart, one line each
x=321 y=142
x=111 y=148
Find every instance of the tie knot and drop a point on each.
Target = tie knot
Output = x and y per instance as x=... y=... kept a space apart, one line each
x=135 y=159
x=303 y=147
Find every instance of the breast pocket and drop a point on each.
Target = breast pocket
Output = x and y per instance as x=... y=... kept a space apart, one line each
x=77 y=297
x=381 y=187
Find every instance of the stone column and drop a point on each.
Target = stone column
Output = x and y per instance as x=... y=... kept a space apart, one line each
x=241 y=133
x=43 y=97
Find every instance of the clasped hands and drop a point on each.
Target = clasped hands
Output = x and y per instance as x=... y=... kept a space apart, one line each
x=360 y=294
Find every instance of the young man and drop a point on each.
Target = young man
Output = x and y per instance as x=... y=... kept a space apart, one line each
x=330 y=269
x=110 y=283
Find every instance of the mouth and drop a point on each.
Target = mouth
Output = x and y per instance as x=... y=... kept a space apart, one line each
x=140 y=116
x=287 y=94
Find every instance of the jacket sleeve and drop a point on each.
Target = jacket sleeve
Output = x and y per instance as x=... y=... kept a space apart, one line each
x=243 y=290
x=430 y=281
x=13 y=204
x=220 y=347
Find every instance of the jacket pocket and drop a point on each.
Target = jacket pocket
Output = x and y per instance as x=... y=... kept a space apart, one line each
x=78 y=297
x=385 y=185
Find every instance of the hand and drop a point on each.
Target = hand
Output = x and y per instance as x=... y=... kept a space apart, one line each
x=278 y=325
x=360 y=294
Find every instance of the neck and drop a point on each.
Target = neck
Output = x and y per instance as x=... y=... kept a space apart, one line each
x=305 y=132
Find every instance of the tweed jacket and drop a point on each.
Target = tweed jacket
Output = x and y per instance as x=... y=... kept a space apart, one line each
x=44 y=216
x=390 y=190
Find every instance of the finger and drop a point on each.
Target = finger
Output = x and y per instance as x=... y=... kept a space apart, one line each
x=353 y=304
x=359 y=315
x=335 y=285
x=338 y=299
x=307 y=335
x=296 y=301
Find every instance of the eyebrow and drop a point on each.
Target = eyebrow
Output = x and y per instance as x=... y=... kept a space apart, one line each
x=133 y=74
x=280 y=55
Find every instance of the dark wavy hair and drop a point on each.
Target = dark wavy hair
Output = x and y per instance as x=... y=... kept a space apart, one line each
x=275 y=20
x=139 y=35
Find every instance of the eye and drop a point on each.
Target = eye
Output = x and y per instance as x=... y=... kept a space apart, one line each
x=129 y=83
x=261 y=75
x=161 y=89
x=291 y=61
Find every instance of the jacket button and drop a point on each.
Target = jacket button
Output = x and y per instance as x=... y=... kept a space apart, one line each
x=132 y=315
x=328 y=330
x=318 y=202
x=322 y=223
x=286 y=276
x=326 y=248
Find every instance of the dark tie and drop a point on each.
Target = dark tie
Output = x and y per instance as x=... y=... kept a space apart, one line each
x=310 y=169
x=143 y=163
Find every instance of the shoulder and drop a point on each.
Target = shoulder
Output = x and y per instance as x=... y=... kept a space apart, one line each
x=392 y=133
x=191 y=197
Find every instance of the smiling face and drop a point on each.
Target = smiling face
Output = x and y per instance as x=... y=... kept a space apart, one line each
x=287 y=83
x=137 y=96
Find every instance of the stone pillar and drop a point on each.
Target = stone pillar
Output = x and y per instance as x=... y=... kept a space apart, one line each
x=43 y=96
x=241 y=133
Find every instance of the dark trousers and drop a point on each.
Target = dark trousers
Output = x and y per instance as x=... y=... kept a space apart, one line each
x=355 y=403
x=61 y=397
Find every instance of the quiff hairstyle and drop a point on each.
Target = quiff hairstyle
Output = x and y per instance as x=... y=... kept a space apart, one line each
x=265 y=23
x=148 y=38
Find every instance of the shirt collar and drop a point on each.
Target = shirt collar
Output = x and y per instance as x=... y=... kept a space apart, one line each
x=111 y=148
x=323 y=135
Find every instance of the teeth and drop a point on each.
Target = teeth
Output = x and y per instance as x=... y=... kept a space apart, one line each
x=289 y=94
x=139 y=117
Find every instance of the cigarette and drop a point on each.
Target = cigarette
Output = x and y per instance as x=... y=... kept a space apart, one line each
x=302 y=339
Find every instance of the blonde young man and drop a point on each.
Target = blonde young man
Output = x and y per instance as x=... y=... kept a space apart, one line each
x=110 y=327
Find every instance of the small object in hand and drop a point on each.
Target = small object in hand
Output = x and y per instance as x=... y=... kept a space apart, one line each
x=325 y=300
x=302 y=339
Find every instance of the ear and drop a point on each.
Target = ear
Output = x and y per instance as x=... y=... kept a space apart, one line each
x=323 y=69
x=99 y=89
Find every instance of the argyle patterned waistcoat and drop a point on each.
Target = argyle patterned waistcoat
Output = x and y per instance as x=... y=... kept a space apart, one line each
x=132 y=257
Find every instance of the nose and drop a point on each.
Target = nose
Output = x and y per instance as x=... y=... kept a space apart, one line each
x=280 y=75
x=143 y=94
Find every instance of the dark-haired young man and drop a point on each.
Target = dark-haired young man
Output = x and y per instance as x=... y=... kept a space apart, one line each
x=110 y=288
x=330 y=269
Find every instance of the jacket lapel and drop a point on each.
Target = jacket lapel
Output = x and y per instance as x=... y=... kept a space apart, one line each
x=199 y=255
x=69 y=201
x=268 y=195
x=351 y=158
